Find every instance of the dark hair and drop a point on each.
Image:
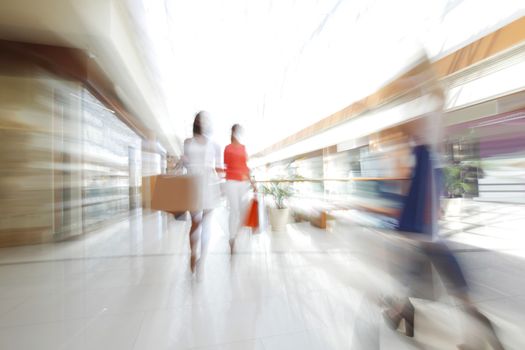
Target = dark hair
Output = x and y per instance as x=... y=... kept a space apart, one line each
x=197 y=128
x=235 y=127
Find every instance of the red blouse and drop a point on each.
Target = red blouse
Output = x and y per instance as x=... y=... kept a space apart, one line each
x=235 y=160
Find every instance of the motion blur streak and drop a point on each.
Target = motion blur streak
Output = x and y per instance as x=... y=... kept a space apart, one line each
x=260 y=175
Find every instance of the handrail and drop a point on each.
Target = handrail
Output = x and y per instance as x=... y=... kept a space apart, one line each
x=337 y=179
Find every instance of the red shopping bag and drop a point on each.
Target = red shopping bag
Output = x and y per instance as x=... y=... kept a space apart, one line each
x=252 y=219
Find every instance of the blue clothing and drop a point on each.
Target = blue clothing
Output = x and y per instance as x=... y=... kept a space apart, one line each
x=421 y=202
x=419 y=215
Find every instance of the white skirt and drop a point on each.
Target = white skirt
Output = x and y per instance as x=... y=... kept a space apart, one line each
x=210 y=191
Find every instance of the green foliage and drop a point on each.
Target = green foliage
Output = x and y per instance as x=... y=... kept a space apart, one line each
x=460 y=178
x=280 y=191
x=453 y=184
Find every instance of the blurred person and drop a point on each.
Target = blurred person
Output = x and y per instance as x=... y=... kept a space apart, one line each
x=202 y=159
x=238 y=182
x=419 y=245
x=416 y=217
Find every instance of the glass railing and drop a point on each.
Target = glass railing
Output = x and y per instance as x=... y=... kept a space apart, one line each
x=378 y=195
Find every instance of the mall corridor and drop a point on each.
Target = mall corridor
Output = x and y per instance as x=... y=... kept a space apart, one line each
x=128 y=286
x=262 y=174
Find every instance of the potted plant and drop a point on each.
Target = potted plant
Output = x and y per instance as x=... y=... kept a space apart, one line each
x=454 y=185
x=461 y=179
x=279 y=213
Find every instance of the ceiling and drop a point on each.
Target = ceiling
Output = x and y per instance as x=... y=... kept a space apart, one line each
x=274 y=66
x=279 y=66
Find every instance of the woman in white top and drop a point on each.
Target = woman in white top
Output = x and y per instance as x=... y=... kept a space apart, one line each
x=202 y=160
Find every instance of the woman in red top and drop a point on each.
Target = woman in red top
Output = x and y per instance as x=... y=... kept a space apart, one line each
x=237 y=181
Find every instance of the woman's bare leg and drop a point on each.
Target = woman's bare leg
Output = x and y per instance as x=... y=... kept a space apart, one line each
x=204 y=236
x=194 y=238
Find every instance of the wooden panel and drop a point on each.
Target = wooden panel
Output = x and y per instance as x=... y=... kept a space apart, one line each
x=424 y=71
x=488 y=46
x=15 y=237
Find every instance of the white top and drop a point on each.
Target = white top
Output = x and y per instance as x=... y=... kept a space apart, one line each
x=201 y=157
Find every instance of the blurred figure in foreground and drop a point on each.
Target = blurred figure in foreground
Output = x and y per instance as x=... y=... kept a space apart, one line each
x=202 y=160
x=237 y=182
x=418 y=244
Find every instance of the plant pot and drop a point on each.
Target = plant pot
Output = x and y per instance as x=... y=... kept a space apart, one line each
x=279 y=218
x=452 y=206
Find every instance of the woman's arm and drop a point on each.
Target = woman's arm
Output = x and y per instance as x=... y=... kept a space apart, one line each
x=249 y=172
x=185 y=160
x=219 y=165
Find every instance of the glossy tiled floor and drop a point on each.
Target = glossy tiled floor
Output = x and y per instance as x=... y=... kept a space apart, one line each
x=128 y=287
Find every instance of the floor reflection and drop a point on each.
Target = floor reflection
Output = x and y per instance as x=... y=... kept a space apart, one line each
x=128 y=286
